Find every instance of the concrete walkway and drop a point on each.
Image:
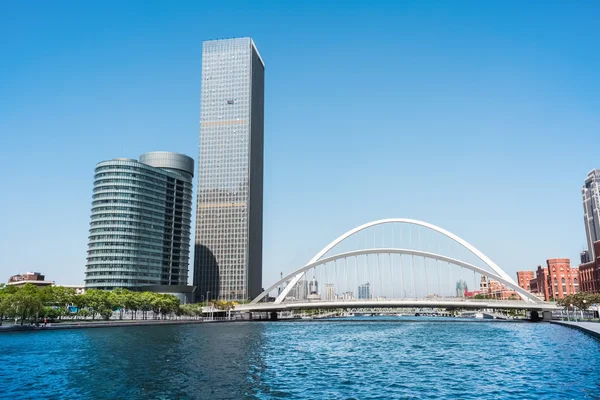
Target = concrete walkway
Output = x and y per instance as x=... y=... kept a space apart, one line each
x=591 y=328
x=99 y=324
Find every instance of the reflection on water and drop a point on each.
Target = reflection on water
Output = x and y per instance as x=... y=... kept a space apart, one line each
x=304 y=360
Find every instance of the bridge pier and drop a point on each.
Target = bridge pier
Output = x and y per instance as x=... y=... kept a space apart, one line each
x=536 y=316
x=247 y=316
x=546 y=315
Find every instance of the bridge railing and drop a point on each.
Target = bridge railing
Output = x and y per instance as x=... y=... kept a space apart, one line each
x=405 y=299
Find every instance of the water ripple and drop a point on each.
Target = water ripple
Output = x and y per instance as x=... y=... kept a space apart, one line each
x=304 y=360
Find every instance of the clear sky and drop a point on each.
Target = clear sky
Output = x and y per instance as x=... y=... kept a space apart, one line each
x=481 y=117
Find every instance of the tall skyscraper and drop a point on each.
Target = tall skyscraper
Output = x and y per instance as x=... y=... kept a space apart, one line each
x=591 y=210
x=302 y=290
x=229 y=214
x=329 y=292
x=364 y=291
x=141 y=222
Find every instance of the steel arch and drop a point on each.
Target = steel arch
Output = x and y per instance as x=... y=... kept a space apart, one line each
x=522 y=292
x=500 y=273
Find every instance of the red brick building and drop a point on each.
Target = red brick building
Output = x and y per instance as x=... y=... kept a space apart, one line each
x=497 y=290
x=554 y=282
x=524 y=278
x=562 y=280
x=589 y=273
x=542 y=279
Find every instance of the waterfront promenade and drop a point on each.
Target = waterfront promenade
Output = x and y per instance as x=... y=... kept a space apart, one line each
x=104 y=324
x=591 y=328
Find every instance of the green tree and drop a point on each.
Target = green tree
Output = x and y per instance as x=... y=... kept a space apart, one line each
x=98 y=302
x=118 y=299
x=60 y=297
x=26 y=302
x=50 y=312
x=581 y=300
x=132 y=302
x=5 y=301
x=145 y=299
x=81 y=302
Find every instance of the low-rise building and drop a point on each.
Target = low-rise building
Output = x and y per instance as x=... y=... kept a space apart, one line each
x=589 y=272
x=35 y=278
x=79 y=289
x=499 y=291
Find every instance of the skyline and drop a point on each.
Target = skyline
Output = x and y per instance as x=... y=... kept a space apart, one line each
x=517 y=188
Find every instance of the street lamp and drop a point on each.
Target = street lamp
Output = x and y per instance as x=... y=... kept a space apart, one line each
x=573 y=310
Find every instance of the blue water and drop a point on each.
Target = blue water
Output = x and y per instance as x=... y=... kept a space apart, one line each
x=358 y=359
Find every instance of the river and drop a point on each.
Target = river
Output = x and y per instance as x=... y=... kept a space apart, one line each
x=341 y=359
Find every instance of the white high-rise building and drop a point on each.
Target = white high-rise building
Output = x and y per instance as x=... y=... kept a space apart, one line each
x=329 y=292
x=348 y=296
x=591 y=210
x=301 y=290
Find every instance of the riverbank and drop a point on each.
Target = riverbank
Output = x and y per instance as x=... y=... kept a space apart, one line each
x=590 y=328
x=100 y=324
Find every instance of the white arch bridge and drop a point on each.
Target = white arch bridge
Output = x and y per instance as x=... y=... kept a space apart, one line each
x=393 y=263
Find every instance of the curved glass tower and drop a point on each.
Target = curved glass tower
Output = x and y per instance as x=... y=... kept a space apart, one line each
x=140 y=224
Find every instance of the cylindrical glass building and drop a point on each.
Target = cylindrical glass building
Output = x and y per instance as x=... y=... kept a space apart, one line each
x=141 y=220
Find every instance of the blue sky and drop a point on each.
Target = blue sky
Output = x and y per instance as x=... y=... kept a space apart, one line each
x=480 y=117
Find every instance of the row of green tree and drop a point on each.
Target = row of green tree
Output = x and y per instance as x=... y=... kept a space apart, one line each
x=30 y=302
x=581 y=300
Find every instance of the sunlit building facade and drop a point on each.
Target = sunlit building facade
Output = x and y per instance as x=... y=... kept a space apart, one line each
x=229 y=214
x=591 y=212
x=141 y=222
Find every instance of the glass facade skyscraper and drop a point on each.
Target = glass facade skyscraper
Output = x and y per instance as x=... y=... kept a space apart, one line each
x=140 y=224
x=591 y=211
x=364 y=291
x=228 y=246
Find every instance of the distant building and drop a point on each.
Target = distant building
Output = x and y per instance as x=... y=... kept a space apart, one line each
x=313 y=289
x=364 y=291
x=589 y=273
x=280 y=288
x=563 y=280
x=348 y=296
x=461 y=288
x=79 y=289
x=555 y=281
x=34 y=278
x=313 y=286
x=499 y=291
x=329 y=292
x=584 y=257
x=524 y=278
x=591 y=210
x=483 y=285
x=301 y=290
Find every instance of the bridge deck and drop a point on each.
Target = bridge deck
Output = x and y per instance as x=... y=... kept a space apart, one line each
x=404 y=303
